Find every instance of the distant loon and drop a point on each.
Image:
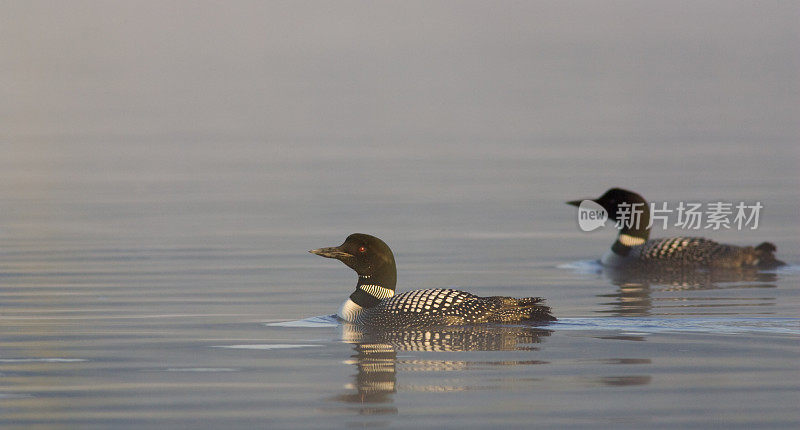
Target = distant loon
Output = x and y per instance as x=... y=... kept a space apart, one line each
x=374 y=302
x=633 y=249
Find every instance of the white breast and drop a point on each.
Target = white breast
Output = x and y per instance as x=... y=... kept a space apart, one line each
x=349 y=311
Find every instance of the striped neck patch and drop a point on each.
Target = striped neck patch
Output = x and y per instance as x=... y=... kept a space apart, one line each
x=629 y=240
x=376 y=291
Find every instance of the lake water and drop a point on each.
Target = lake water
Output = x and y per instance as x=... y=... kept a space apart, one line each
x=162 y=184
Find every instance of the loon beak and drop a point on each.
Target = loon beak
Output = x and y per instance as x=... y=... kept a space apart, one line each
x=575 y=202
x=332 y=252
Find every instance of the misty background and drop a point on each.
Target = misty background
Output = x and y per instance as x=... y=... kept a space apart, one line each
x=188 y=118
x=383 y=72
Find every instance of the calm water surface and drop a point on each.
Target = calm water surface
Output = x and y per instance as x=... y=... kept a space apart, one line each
x=164 y=170
x=135 y=295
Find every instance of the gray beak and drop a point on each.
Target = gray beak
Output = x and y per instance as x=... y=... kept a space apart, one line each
x=332 y=252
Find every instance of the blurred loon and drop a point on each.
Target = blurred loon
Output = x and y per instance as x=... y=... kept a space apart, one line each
x=374 y=302
x=633 y=249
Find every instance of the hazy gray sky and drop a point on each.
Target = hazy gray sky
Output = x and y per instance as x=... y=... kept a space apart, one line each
x=367 y=70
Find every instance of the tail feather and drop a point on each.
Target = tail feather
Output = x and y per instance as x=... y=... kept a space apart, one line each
x=765 y=252
x=524 y=309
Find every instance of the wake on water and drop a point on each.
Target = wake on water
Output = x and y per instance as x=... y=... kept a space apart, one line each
x=627 y=324
x=643 y=325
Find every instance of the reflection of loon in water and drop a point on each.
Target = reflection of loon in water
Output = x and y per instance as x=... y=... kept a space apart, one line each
x=377 y=363
x=634 y=296
x=452 y=338
x=375 y=381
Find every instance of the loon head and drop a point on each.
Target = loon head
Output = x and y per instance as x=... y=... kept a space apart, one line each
x=369 y=256
x=613 y=198
x=632 y=214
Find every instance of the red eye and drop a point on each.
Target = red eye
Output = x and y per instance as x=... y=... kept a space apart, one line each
x=362 y=249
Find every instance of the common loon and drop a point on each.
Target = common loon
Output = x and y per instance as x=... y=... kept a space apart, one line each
x=374 y=302
x=633 y=249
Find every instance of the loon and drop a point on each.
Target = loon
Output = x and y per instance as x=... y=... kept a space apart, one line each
x=634 y=249
x=375 y=304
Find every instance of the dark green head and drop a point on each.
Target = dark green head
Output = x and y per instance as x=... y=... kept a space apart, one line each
x=367 y=255
x=612 y=198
